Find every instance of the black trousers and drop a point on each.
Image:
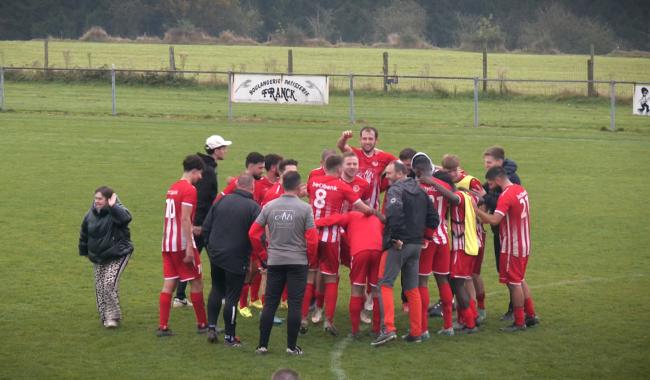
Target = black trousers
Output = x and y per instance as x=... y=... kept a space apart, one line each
x=295 y=278
x=226 y=285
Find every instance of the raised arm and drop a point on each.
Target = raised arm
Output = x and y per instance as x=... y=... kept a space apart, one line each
x=334 y=219
x=493 y=219
x=342 y=142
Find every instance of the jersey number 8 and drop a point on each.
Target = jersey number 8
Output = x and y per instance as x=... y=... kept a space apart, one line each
x=319 y=201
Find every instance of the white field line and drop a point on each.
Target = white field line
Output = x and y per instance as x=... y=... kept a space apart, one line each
x=337 y=353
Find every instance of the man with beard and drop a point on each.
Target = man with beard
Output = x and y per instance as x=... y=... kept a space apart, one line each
x=254 y=167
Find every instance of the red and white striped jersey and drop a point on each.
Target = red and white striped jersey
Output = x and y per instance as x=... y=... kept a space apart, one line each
x=326 y=197
x=180 y=194
x=441 y=204
x=361 y=187
x=318 y=172
x=458 y=225
x=370 y=168
x=514 y=229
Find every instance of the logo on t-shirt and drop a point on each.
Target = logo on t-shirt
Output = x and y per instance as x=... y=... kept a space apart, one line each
x=283 y=218
x=375 y=163
x=355 y=188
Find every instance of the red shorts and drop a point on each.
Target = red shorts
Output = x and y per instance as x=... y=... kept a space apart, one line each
x=478 y=261
x=345 y=250
x=328 y=257
x=462 y=264
x=174 y=267
x=512 y=269
x=434 y=259
x=364 y=268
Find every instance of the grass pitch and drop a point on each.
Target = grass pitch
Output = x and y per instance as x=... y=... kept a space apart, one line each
x=588 y=270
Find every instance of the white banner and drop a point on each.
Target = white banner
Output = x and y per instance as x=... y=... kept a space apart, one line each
x=280 y=89
x=641 y=102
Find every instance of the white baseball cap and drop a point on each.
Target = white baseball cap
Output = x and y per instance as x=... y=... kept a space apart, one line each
x=216 y=141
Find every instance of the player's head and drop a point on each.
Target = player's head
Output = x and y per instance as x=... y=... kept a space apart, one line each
x=368 y=138
x=193 y=168
x=493 y=156
x=496 y=177
x=271 y=162
x=285 y=374
x=217 y=147
x=406 y=156
x=102 y=195
x=644 y=91
x=350 y=164
x=288 y=165
x=255 y=164
x=291 y=182
x=451 y=165
x=246 y=182
x=334 y=165
x=326 y=153
x=421 y=165
x=395 y=171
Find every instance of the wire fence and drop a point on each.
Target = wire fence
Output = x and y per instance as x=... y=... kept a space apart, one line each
x=354 y=98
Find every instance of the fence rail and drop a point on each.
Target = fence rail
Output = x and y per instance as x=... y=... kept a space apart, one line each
x=351 y=81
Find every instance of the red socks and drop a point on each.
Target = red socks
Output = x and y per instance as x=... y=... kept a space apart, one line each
x=447 y=297
x=255 y=287
x=480 y=298
x=165 y=306
x=519 y=315
x=285 y=294
x=331 y=294
x=529 y=307
x=199 y=308
x=376 y=315
x=389 y=308
x=415 y=311
x=468 y=318
x=306 y=300
x=424 y=300
x=356 y=305
x=472 y=307
x=243 y=297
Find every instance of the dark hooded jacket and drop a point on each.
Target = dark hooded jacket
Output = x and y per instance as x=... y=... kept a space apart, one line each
x=105 y=234
x=206 y=188
x=409 y=211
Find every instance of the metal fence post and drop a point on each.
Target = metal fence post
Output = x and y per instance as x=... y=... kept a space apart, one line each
x=230 y=77
x=352 y=117
x=475 y=102
x=113 y=89
x=2 y=88
x=612 y=110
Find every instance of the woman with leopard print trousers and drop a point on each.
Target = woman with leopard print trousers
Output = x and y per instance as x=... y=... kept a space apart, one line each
x=106 y=240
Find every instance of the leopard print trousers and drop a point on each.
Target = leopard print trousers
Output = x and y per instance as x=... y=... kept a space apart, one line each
x=107 y=279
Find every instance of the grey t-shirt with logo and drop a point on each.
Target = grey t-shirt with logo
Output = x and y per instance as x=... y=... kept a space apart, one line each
x=288 y=218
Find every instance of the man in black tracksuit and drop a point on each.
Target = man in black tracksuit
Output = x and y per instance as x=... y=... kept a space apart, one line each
x=409 y=211
x=207 y=189
x=225 y=230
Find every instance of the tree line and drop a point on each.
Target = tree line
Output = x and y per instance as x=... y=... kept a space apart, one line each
x=568 y=26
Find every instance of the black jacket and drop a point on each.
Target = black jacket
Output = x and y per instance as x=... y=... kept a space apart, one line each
x=490 y=199
x=225 y=231
x=206 y=189
x=105 y=234
x=408 y=212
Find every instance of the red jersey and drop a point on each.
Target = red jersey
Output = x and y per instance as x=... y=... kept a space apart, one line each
x=514 y=229
x=370 y=169
x=180 y=194
x=361 y=187
x=318 y=172
x=229 y=189
x=262 y=185
x=365 y=232
x=326 y=196
x=272 y=193
x=458 y=225
x=441 y=204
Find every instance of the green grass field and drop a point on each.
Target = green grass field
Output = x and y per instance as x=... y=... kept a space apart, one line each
x=430 y=62
x=588 y=270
